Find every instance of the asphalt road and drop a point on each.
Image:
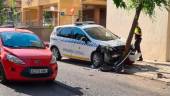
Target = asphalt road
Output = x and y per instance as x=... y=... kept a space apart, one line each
x=76 y=78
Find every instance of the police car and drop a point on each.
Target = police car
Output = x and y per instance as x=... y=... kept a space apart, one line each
x=82 y=41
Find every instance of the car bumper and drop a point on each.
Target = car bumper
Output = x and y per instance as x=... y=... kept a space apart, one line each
x=22 y=73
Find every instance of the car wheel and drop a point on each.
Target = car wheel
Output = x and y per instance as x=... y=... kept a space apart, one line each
x=97 y=59
x=56 y=53
x=2 y=75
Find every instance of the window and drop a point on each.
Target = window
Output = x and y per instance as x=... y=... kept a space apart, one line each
x=65 y=32
x=78 y=33
x=100 y=33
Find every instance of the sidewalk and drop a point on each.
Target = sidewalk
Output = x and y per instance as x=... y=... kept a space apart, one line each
x=153 y=70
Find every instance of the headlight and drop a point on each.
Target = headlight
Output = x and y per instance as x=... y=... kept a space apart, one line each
x=115 y=55
x=53 y=60
x=14 y=59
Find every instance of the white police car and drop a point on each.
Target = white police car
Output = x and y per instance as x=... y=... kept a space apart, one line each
x=82 y=41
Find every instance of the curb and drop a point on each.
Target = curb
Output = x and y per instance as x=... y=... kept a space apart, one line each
x=167 y=81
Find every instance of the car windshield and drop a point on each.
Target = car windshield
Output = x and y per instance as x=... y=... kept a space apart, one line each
x=100 y=33
x=21 y=40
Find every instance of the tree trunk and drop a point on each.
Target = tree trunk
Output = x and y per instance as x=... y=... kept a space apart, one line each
x=131 y=33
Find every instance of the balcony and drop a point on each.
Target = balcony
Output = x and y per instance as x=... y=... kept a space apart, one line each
x=46 y=2
x=30 y=3
x=94 y=2
x=34 y=3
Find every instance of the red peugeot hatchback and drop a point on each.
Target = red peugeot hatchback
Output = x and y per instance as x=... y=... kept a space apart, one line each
x=24 y=57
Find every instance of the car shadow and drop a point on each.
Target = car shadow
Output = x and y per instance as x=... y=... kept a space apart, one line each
x=44 y=89
x=141 y=68
x=129 y=69
x=76 y=62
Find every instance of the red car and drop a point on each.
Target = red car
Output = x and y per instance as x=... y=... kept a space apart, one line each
x=24 y=57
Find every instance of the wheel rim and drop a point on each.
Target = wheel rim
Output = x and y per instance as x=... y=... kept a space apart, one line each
x=96 y=60
x=55 y=52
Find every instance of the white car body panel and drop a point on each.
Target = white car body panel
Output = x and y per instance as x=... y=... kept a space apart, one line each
x=78 y=49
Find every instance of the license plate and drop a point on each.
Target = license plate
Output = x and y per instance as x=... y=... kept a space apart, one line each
x=38 y=71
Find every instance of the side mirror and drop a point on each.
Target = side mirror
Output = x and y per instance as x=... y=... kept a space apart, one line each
x=47 y=45
x=84 y=39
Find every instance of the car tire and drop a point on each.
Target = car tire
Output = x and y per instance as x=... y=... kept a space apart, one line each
x=56 y=53
x=2 y=75
x=97 y=59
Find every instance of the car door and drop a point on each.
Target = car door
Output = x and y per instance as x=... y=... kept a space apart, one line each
x=0 y=48
x=65 y=42
x=82 y=49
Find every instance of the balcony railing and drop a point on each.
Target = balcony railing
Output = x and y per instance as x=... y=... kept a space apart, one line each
x=33 y=3
x=30 y=3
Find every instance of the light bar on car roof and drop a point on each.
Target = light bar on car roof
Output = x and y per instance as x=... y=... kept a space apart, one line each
x=84 y=23
x=78 y=23
x=89 y=22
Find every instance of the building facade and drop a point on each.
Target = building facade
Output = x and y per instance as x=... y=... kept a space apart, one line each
x=13 y=3
x=59 y=12
x=156 y=31
x=12 y=7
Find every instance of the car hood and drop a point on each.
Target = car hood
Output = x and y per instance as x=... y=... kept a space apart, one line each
x=112 y=43
x=30 y=53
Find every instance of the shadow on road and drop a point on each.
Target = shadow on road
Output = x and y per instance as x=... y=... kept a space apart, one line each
x=77 y=62
x=141 y=68
x=44 y=89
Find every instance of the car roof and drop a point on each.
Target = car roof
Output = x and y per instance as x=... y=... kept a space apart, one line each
x=84 y=26
x=14 y=30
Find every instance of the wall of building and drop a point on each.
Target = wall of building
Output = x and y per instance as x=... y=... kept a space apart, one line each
x=168 y=40
x=154 y=29
x=94 y=2
x=66 y=6
x=43 y=33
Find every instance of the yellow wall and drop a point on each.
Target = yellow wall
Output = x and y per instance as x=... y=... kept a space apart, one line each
x=31 y=15
x=168 y=40
x=34 y=3
x=27 y=4
x=154 y=43
x=65 y=6
x=47 y=2
x=94 y=2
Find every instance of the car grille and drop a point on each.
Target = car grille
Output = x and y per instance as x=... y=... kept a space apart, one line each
x=119 y=49
x=114 y=54
x=26 y=73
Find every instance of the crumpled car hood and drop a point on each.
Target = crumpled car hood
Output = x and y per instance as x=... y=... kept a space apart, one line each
x=112 y=43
